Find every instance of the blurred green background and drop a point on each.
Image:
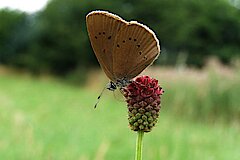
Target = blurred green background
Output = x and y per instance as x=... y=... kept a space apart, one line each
x=50 y=79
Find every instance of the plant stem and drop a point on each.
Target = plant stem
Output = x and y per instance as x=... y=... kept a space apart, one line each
x=139 y=145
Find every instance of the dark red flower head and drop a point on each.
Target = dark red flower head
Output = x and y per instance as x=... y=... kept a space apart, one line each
x=143 y=98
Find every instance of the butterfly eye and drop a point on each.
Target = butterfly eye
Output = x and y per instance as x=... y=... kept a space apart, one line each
x=103 y=33
x=135 y=40
x=140 y=53
x=99 y=33
x=118 y=45
x=95 y=37
x=138 y=45
x=123 y=41
x=130 y=38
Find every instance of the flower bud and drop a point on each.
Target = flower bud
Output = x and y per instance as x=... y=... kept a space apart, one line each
x=143 y=98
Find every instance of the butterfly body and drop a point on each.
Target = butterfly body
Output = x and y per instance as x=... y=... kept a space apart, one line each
x=123 y=49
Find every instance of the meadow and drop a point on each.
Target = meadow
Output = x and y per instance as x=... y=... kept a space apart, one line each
x=45 y=118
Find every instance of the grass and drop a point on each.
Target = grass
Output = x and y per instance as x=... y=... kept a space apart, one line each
x=210 y=95
x=46 y=119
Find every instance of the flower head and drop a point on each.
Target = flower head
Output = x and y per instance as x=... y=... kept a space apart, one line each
x=143 y=99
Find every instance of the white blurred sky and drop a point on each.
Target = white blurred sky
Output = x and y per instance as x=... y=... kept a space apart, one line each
x=23 y=5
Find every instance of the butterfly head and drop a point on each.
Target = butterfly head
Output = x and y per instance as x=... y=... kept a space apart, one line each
x=120 y=83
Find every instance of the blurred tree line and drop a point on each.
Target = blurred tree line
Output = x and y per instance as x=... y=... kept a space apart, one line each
x=55 y=39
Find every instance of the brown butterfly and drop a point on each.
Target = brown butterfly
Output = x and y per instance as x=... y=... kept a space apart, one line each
x=123 y=49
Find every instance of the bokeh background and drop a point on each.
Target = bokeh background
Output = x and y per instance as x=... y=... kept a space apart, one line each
x=50 y=79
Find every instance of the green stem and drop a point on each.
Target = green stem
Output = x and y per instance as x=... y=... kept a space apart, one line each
x=139 y=145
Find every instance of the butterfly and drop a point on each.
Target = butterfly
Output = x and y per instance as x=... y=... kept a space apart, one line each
x=123 y=49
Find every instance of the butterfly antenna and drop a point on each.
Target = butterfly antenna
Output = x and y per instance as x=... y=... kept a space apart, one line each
x=98 y=99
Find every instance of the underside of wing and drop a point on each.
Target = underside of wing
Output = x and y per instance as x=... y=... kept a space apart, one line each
x=135 y=48
x=102 y=28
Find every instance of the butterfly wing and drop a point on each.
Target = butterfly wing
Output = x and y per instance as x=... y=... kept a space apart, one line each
x=135 y=48
x=102 y=28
